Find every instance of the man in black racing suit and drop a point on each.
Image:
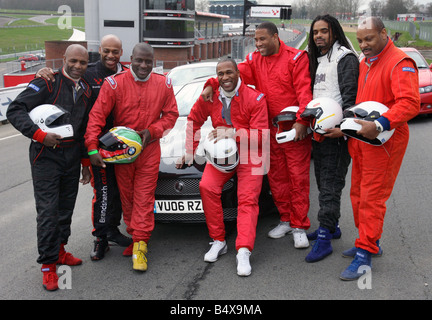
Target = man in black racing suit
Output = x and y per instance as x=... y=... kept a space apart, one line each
x=56 y=162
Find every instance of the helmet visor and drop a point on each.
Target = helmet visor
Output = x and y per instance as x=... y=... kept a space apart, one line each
x=110 y=142
x=50 y=120
x=312 y=112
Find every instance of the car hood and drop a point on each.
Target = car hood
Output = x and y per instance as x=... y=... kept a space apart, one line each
x=425 y=77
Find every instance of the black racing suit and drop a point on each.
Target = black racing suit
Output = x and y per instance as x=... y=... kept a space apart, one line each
x=55 y=170
x=106 y=204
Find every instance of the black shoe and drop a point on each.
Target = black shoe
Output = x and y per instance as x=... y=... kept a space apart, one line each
x=116 y=236
x=100 y=247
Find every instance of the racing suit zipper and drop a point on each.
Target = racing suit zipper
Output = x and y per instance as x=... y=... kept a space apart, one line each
x=367 y=73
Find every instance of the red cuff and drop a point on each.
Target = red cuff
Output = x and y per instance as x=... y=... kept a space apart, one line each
x=85 y=162
x=92 y=146
x=39 y=135
x=213 y=82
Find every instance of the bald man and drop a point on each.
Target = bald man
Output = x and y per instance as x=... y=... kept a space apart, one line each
x=56 y=161
x=143 y=101
x=389 y=76
x=106 y=204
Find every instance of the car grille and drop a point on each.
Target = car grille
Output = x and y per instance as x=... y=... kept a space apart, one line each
x=189 y=187
x=230 y=214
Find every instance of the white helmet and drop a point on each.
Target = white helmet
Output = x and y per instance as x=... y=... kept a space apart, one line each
x=326 y=114
x=48 y=118
x=370 y=111
x=284 y=122
x=223 y=155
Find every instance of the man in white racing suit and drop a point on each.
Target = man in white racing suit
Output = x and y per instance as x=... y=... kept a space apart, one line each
x=334 y=73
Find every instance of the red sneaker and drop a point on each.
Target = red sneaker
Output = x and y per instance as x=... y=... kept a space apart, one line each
x=50 y=278
x=67 y=258
x=128 y=251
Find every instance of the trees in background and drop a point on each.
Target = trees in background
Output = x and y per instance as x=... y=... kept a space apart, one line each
x=346 y=9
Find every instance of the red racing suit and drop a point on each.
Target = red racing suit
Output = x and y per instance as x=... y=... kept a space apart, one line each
x=138 y=105
x=249 y=118
x=285 y=80
x=390 y=78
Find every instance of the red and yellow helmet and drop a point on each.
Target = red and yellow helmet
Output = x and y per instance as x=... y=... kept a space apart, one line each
x=120 y=145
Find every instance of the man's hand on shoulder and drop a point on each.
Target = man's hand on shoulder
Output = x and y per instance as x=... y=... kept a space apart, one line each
x=46 y=73
x=207 y=94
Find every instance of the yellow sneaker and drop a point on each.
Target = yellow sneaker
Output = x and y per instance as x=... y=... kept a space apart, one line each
x=138 y=256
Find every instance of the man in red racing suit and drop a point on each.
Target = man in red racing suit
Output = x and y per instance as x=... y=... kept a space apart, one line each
x=389 y=76
x=145 y=102
x=282 y=74
x=245 y=119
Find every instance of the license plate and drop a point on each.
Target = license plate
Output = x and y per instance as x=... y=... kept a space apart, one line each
x=178 y=206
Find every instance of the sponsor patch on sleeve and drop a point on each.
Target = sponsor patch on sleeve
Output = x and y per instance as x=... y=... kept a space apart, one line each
x=260 y=96
x=112 y=82
x=168 y=82
x=408 y=69
x=250 y=56
x=34 y=87
x=296 y=56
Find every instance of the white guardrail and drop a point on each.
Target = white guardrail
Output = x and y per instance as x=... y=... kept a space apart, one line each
x=7 y=95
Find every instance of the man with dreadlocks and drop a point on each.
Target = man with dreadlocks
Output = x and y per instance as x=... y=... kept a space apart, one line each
x=334 y=69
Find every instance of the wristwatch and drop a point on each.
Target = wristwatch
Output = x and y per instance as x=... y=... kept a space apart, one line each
x=378 y=125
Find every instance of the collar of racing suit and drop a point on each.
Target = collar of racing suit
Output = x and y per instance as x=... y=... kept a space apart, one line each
x=138 y=79
x=370 y=60
x=76 y=81
x=231 y=94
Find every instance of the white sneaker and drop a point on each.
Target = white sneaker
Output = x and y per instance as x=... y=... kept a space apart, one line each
x=281 y=230
x=243 y=266
x=218 y=248
x=300 y=239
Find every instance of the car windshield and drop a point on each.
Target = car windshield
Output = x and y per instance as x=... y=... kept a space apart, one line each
x=419 y=60
x=180 y=77
x=188 y=95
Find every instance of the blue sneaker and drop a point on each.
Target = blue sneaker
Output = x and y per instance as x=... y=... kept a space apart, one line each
x=362 y=258
x=350 y=253
x=322 y=247
x=335 y=235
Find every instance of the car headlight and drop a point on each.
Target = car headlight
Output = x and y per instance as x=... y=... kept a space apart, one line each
x=425 y=89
